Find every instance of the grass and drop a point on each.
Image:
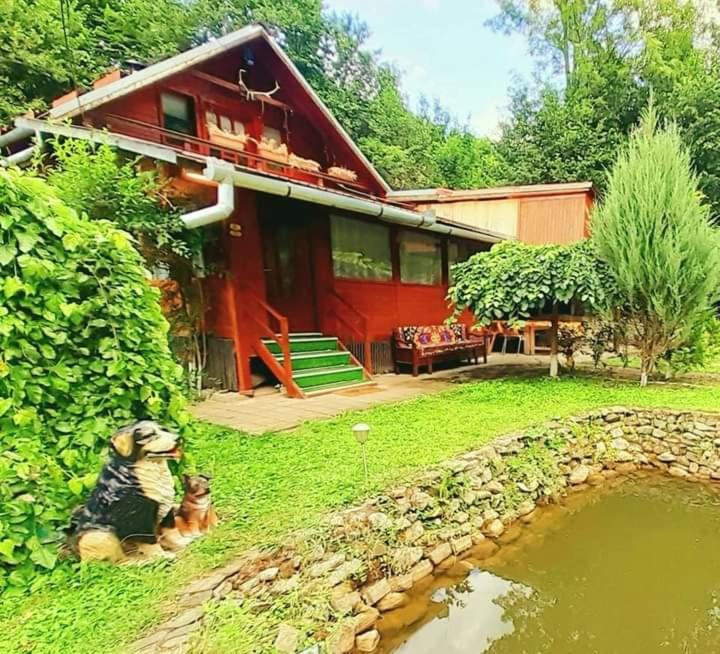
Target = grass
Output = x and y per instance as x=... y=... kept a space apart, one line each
x=267 y=485
x=711 y=367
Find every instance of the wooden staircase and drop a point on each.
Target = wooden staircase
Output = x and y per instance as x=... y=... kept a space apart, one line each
x=320 y=363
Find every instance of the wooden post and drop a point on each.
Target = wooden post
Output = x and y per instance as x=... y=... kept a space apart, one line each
x=555 y=322
x=242 y=356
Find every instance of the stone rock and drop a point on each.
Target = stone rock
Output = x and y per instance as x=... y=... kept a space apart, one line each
x=324 y=567
x=620 y=443
x=368 y=641
x=374 y=593
x=405 y=558
x=413 y=533
x=420 y=500
x=379 y=521
x=391 y=601
x=402 y=523
x=625 y=468
x=495 y=487
x=579 y=474
x=440 y=553
x=148 y=641
x=342 y=640
x=185 y=618
x=461 y=544
x=623 y=456
x=365 y=620
x=283 y=586
x=666 y=457
x=525 y=507
x=495 y=528
x=345 y=602
x=347 y=569
x=477 y=538
x=421 y=570
x=197 y=599
x=401 y=583
x=678 y=471
x=269 y=574
x=490 y=514
x=287 y=639
x=378 y=549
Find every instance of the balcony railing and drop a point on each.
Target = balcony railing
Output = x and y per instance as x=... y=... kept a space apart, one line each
x=247 y=158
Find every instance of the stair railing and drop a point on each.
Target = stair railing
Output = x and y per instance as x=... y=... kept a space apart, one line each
x=340 y=308
x=281 y=336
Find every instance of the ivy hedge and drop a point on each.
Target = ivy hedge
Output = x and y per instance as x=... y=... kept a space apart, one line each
x=83 y=350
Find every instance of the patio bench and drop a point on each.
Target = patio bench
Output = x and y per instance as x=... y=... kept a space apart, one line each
x=422 y=345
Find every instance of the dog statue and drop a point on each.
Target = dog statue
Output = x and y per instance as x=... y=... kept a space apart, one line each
x=196 y=515
x=133 y=500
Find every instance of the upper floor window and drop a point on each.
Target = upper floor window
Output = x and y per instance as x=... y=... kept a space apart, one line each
x=178 y=113
x=360 y=249
x=420 y=258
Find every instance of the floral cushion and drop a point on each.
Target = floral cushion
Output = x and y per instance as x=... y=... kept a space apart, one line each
x=430 y=336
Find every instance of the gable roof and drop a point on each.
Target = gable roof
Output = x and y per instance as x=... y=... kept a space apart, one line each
x=432 y=195
x=173 y=65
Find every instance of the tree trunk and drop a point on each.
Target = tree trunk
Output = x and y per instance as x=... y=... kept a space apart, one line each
x=554 y=366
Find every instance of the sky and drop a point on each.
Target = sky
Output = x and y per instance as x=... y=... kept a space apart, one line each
x=446 y=51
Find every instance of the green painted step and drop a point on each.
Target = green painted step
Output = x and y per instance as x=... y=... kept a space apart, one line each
x=309 y=379
x=304 y=344
x=330 y=359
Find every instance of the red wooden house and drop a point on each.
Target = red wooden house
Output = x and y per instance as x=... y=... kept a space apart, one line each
x=319 y=255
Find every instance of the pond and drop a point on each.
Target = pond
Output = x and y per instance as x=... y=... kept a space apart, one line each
x=623 y=570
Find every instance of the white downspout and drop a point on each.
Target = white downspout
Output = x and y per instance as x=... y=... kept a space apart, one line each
x=13 y=135
x=18 y=158
x=216 y=171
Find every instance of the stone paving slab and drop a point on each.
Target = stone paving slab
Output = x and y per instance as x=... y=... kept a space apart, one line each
x=272 y=411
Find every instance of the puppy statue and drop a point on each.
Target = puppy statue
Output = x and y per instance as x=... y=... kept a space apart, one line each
x=132 y=500
x=196 y=515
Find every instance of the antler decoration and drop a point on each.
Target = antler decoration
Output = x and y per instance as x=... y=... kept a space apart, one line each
x=255 y=95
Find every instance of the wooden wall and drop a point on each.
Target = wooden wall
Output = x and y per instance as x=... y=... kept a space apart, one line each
x=540 y=220
x=552 y=220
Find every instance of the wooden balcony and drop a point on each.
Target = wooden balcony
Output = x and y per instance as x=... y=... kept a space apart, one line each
x=248 y=158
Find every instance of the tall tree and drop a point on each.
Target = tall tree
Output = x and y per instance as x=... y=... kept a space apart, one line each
x=654 y=234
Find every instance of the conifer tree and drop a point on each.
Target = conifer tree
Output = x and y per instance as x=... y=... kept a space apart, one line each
x=654 y=232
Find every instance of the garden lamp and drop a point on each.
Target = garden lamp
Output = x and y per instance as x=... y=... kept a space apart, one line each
x=361 y=432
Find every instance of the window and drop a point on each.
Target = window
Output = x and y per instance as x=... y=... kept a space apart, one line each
x=360 y=250
x=178 y=113
x=420 y=258
x=458 y=251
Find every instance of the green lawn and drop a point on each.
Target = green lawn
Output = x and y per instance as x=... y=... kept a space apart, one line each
x=267 y=485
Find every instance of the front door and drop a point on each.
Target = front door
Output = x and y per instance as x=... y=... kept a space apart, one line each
x=287 y=259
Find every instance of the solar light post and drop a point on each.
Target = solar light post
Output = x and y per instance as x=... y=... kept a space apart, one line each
x=361 y=432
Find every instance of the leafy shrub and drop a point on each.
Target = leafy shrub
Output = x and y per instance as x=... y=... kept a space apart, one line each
x=83 y=350
x=701 y=348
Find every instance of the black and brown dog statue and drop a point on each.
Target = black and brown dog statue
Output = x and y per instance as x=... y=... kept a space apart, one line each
x=133 y=500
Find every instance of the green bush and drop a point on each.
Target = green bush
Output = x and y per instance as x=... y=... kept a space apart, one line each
x=83 y=350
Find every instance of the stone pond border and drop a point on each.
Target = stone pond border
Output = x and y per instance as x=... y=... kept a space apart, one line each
x=365 y=558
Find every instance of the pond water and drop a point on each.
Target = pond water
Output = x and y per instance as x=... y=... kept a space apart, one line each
x=630 y=570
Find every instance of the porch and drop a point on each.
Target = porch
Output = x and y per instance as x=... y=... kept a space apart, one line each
x=272 y=411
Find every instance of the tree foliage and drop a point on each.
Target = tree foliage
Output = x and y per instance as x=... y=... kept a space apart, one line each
x=653 y=232
x=83 y=350
x=515 y=281
x=410 y=148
